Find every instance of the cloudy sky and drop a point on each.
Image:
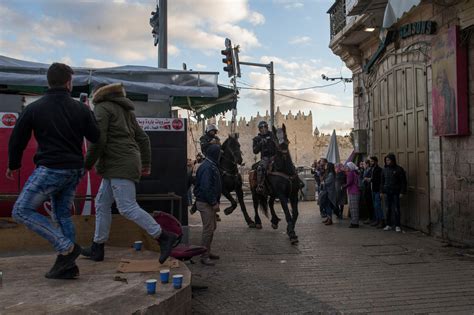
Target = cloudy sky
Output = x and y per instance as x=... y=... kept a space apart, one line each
x=294 y=34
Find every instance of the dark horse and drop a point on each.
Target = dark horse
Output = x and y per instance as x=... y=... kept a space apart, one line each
x=283 y=183
x=231 y=178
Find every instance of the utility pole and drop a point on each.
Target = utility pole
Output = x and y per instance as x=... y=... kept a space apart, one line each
x=269 y=68
x=163 y=30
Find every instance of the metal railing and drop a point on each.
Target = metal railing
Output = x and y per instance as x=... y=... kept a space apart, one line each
x=337 y=17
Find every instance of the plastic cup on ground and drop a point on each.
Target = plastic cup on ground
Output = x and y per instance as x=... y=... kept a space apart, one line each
x=138 y=245
x=177 y=281
x=151 y=286
x=165 y=275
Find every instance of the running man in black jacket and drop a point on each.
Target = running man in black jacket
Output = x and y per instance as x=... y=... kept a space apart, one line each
x=59 y=124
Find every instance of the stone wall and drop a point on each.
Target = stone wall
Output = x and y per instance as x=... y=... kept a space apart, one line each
x=306 y=144
x=451 y=159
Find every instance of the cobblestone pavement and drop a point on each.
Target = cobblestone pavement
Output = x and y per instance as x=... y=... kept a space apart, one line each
x=334 y=269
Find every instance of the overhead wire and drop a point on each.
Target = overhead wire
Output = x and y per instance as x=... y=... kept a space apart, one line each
x=250 y=87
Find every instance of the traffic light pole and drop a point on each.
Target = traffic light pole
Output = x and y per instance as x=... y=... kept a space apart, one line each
x=163 y=29
x=269 y=67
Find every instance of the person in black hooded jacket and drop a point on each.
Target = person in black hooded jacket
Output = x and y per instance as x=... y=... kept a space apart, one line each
x=207 y=191
x=394 y=186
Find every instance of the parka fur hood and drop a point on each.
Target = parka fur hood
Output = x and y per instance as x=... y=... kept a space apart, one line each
x=113 y=93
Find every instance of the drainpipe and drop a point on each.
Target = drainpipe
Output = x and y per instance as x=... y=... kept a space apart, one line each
x=442 y=186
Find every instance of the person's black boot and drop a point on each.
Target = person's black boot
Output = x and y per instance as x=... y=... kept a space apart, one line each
x=71 y=273
x=64 y=262
x=166 y=241
x=95 y=252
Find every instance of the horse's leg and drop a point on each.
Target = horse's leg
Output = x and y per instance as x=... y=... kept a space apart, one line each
x=275 y=219
x=290 y=230
x=233 y=203
x=256 y=202
x=240 y=197
x=294 y=213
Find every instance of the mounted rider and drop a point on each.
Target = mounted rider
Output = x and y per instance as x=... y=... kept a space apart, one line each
x=264 y=144
x=210 y=137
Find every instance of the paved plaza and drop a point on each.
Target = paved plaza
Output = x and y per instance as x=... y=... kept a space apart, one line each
x=334 y=269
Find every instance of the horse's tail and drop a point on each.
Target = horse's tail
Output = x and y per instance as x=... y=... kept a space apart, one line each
x=263 y=201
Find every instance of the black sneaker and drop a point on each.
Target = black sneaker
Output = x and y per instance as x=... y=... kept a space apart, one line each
x=71 y=273
x=95 y=252
x=64 y=262
x=166 y=241
x=193 y=209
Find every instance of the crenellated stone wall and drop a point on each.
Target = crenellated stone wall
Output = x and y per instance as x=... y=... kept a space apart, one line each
x=306 y=143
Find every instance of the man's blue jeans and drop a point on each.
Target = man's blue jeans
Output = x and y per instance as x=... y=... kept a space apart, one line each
x=393 y=203
x=124 y=193
x=377 y=206
x=59 y=186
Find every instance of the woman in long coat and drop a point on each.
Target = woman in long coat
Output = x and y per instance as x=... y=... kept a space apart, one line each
x=341 y=194
x=329 y=187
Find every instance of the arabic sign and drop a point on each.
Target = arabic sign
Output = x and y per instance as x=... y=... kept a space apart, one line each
x=8 y=120
x=161 y=124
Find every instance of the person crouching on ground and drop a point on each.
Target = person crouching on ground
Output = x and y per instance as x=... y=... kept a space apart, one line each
x=60 y=124
x=353 y=191
x=123 y=155
x=207 y=191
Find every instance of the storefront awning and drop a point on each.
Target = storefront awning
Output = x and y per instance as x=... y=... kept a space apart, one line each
x=206 y=107
x=136 y=79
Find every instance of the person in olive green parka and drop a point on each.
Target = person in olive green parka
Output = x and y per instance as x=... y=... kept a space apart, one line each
x=121 y=156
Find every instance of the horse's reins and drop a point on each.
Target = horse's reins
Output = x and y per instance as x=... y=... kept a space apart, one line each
x=226 y=171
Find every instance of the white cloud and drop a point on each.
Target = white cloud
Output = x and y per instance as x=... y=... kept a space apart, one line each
x=341 y=127
x=96 y=63
x=256 y=18
x=290 y=4
x=200 y=66
x=67 y=60
x=296 y=74
x=124 y=33
x=300 y=40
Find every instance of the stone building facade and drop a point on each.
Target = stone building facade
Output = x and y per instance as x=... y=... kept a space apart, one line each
x=393 y=85
x=306 y=143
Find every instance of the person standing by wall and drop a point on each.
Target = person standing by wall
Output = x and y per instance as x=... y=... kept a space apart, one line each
x=207 y=191
x=59 y=124
x=329 y=188
x=341 y=194
x=367 y=191
x=394 y=186
x=353 y=191
x=121 y=156
x=375 y=183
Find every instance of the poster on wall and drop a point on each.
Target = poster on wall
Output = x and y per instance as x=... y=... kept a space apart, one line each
x=449 y=89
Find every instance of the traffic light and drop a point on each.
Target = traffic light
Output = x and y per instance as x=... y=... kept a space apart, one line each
x=154 y=23
x=229 y=61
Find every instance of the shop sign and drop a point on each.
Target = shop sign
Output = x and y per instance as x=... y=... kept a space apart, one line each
x=8 y=120
x=417 y=28
x=161 y=124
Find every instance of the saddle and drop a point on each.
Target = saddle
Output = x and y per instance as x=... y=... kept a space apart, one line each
x=253 y=182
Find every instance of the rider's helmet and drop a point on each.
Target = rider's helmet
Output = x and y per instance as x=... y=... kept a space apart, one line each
x=211 y=127
x=262 y=124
